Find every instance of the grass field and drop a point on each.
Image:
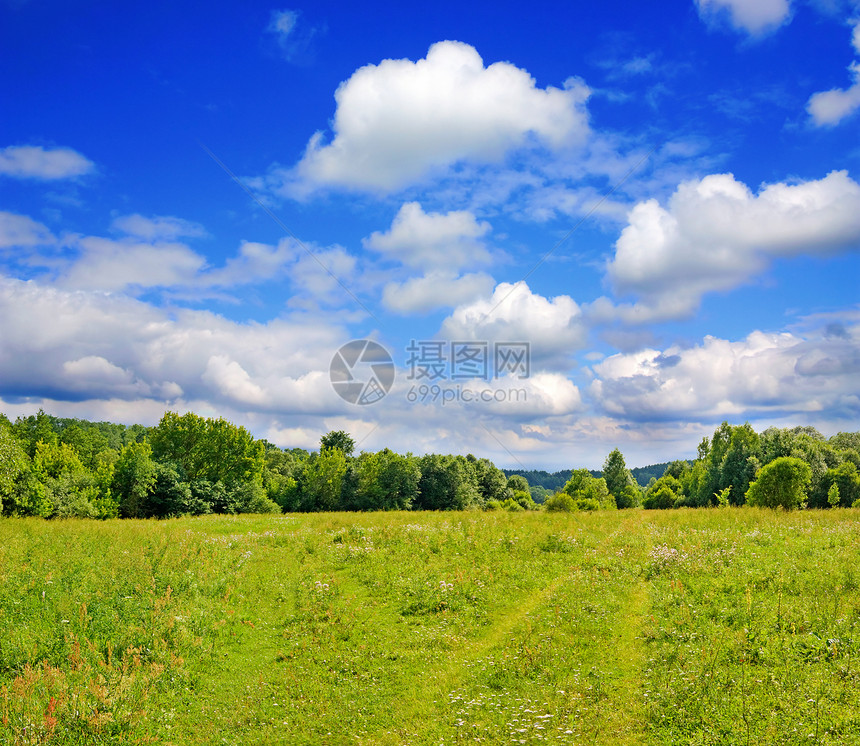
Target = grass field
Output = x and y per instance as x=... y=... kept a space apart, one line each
x=722 y=626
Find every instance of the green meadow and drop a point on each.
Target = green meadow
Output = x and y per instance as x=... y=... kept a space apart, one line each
x=715 y=626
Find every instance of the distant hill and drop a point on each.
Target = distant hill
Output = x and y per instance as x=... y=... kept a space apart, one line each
x=554 y=481
x=643 y=474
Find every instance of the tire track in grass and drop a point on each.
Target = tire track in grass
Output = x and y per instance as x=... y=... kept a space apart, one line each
x=622 y=714
x=626 y=720
x=420 y=705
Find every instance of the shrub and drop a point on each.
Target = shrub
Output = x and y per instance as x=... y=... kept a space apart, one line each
x=560 y=502
x=661 y=498
x=781 y=484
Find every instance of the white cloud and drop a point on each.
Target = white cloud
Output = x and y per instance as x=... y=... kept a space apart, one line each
x=97 y=368
x=255 y=262
x=715 y=234
x=116 y=265
x=513 y=313
x=19 y=231
x=766 y=373
x=831 y=107
x=67 y=345
x=540 y=395
x=158 y=228
x=828 y=108
x=537 y=396
x=232 y=381
x=294 y=39
x=432 y=240
x=436 y=289
x=752 y=16
x=398 y=120
x=328 y=276
x=35 y=162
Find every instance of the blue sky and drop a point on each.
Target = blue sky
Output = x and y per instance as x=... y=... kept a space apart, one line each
x=201 y=203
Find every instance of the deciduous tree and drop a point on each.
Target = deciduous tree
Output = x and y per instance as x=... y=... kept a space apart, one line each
x=780 y=484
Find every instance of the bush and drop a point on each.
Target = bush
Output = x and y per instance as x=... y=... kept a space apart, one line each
x=661 y=498
x=781 y=484
x=250 y=497
x=524 y=499
x=560 y=502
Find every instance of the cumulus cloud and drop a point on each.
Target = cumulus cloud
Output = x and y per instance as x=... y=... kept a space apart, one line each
x=399 y=120
x=715 y=234
x=752 y=16
x=36 y=162
x=158 y=228
x=553 y=327
x=763 y=374
x=116 y=265
x=254 y=262
x=19 y=231
x=67 y=345
x=542 y=394
x=328 y=276
x=436 y=289
x=432 y=240
x=828 y=108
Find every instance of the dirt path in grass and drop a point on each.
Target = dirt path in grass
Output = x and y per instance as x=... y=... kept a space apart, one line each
x=620 y=717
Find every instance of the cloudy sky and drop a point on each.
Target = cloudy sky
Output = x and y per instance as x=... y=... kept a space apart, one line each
x=200 y=203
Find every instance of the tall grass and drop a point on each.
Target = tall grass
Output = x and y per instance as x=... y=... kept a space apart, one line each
x=717 y=626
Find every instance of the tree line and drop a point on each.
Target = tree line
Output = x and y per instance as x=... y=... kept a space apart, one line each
x=780 y=467
x=191 y=465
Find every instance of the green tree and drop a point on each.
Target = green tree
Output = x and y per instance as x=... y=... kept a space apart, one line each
x=523 y=498
x=620 y=481
x=134 y=478
x=663 y=493
x=59 y=484
x=780 y=484
x=14 y=465
x=87 y=440
x=586 y=489
x=447 y=483
x=833 y=495
x=321 y=481
x=492 y=482
x=383 y=481
x=338 y=439
x=280 y=475
x=210 y=449
x=847 y=482
x=518 y=482
x=170 y=495
x=677 y=469
x=739 y=463
x=250 y=497
x=35 y=429
x=560 y=502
